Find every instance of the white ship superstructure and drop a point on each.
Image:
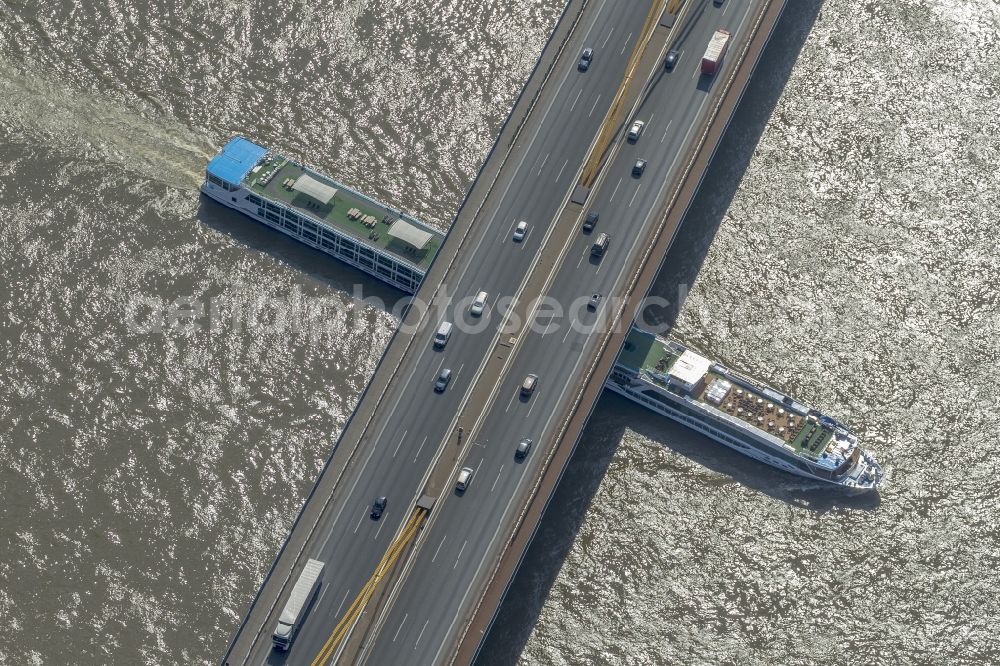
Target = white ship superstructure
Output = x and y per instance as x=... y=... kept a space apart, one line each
x=743 y=414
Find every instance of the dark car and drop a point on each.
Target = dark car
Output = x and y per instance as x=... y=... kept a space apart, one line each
x=378 y=506
x=442 y=381
x=638 y=168
x=586 y=57
x=522 y=449
x=594 y=301
x=592 y=217
x=528 y=385
x=671 y=60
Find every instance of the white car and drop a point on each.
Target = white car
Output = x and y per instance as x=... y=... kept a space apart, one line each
x=479 y=304
x=521 y=230
x=635 y=131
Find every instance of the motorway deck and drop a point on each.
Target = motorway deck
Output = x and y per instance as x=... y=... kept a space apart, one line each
x=436 y=606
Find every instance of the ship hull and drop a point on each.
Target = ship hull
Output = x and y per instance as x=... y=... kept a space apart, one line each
x=637 y=392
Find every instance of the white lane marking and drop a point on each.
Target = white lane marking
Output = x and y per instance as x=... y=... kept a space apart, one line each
x=561 y=170
x=582 y=257
x=697 y=71
x=438 y=548
x=455 y=378
x=400 y=627
x=533 y=403
x=626 y=43
x=400 y=443
x=569 y=329
x=380 y=524
x=594 y=107
x=616 y=191
x=421 y=448
x=634 y=194
x=322 y=594
x=498 y=479
x=460 y=553
x=649 y=123
x=364 y=511
x=337 y=612
x=576 y=100
x=608 y=37
x=665 y=130
x=504 y=235
x=543 y=163
x=511 y=402
x=421 y=635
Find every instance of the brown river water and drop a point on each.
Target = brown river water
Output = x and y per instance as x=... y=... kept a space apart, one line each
x=843 y=248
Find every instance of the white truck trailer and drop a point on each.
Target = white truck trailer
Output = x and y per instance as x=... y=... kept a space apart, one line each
x=298 y=603
x=715 y=52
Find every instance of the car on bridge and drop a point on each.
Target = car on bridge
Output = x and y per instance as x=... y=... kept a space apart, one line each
x=635 y=131
x=638 y=167
x=586 y=57
x=478 y=304
x=464 y=479
x=673 y=55
x=594 y=301
x=522 y=449
x=591 y=221
x=442 y=381
x=528 y=385
x=520 y=231
x=600 y=245
x=378 y=507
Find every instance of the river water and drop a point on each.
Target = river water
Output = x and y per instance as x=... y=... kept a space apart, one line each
x=150 y=465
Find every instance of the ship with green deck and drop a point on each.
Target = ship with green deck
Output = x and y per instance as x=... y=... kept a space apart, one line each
x=745 y=415
x=322 y=213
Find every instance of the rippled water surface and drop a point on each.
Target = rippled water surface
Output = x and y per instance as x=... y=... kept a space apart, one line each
x=149 y=476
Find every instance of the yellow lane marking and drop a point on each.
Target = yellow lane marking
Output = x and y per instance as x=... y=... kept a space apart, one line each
x=352 y=613
x=611 y=120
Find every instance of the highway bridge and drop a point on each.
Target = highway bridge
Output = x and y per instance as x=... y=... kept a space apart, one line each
x=421 y=584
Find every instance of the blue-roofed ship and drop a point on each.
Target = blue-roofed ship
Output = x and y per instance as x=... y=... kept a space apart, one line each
x=322 y=213
x=743 y=414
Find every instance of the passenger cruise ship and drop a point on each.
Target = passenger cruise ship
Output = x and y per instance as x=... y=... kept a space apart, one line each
x=322 y=213
x=745 y=415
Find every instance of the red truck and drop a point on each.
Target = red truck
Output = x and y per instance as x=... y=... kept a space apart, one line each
x=714 y=53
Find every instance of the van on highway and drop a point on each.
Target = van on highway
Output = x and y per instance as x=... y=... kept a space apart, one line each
x=442 y=335
x=464 y=479
x=600 y=245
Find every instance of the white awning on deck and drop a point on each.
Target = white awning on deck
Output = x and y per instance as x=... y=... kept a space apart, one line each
x=408 y=233
x=321 y=192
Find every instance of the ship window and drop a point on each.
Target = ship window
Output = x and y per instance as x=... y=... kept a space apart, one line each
x=367 y=252
x=271 y=206
x=290 y=225
x=255 y=200
x=311 y=226
x=214 y=179
x=260 y=211
x=347 y=244
x=274 y=218
x=310 y=235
